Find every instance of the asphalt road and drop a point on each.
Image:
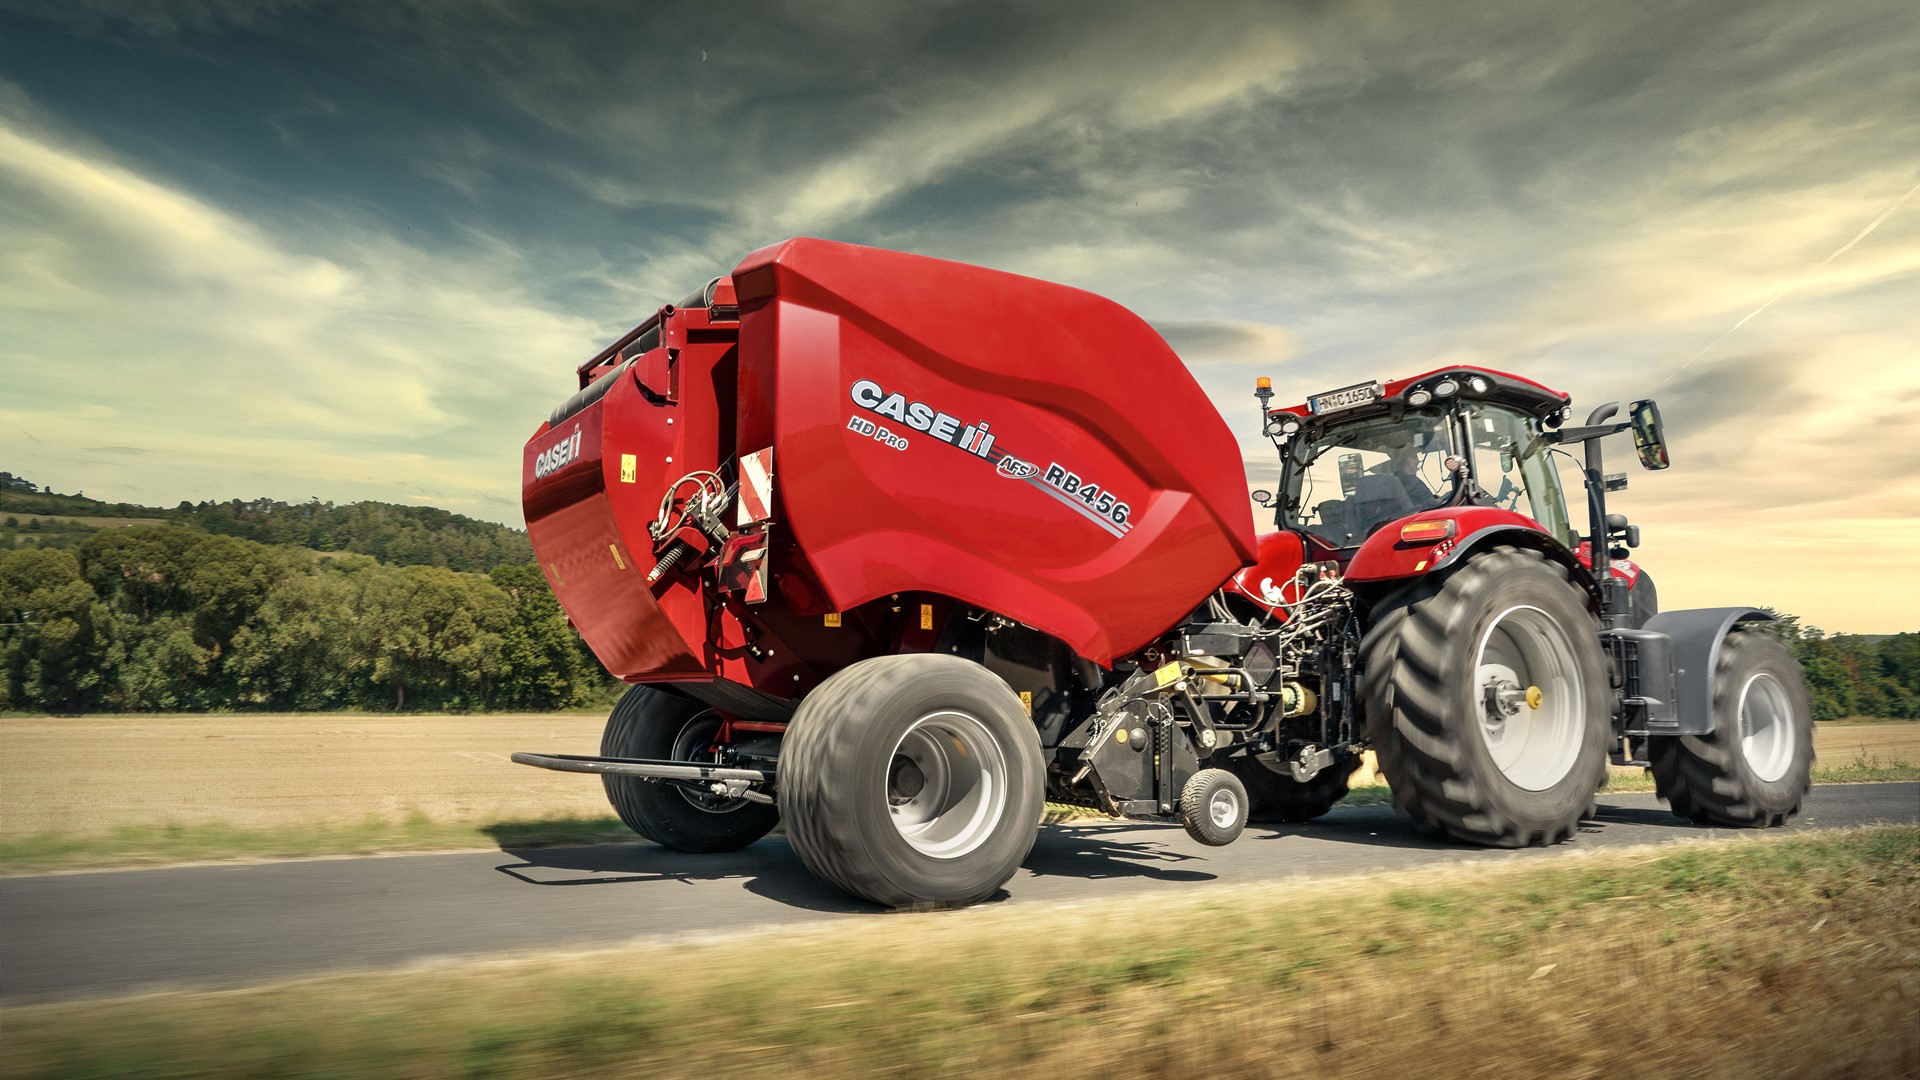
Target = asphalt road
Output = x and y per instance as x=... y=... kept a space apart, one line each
x=72 y=935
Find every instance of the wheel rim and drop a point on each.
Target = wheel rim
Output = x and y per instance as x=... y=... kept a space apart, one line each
x=1766 y=727
x=695 y=736
x=1532 y=703
x=946 y=785
x=1223 y=808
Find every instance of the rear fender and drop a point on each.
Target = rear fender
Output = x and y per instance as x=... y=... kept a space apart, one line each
x=1697 y=634
x=1385 y=559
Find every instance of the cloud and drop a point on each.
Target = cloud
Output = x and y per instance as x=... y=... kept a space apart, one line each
x=329 y=355
x=448 y=204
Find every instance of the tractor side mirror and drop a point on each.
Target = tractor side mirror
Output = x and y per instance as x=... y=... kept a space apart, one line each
x=1649 y=440
x=1261 y=497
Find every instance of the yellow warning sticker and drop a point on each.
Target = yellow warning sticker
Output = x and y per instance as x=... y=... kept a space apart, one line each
x=831 y=618
x=627 y=468
x=926 y=616
x=1026 y=701
x=1168 y=674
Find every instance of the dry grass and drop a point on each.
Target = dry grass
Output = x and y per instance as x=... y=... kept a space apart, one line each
x=91 y=775
x=1786 y=956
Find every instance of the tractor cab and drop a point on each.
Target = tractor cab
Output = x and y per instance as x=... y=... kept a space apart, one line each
x=1359 y=458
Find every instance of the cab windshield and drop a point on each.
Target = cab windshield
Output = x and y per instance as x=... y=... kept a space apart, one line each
x=1351 y=479
x=1347 y=481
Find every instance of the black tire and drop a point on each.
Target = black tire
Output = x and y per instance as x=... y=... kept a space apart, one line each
x=1427 y=715
x=1213 y=807
x=1277 y=798
x=1722 y=778
x=651 y=723
x=848 y=772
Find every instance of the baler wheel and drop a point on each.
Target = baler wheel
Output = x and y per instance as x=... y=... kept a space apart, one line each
x=1757 y=765
x=912 y=781
x=1485 y=694
x=1280 y=799
x=655 y=725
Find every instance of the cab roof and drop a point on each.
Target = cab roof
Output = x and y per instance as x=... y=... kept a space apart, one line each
x=1467 y=381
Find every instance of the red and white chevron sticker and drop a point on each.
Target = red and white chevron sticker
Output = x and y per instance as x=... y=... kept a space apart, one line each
x=756 y=488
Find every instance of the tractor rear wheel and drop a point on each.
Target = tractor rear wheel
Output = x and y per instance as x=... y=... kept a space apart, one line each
x=912 y=781
x=654 y=724
x=1757 y=764
x=1485 y=695
x=1280 y=799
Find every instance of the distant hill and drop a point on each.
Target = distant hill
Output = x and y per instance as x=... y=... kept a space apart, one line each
x=36 y=516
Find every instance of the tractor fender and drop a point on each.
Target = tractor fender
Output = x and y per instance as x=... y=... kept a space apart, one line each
x=1382 y=559
x=1697 y=634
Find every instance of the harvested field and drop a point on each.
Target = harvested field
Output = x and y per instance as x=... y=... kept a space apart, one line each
x=89 y=775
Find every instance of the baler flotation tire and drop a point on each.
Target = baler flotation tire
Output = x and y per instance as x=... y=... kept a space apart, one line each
x=1427 y=659
x=877 y=804
x=1757 y=765
x=648 y=723
x=1279 y=799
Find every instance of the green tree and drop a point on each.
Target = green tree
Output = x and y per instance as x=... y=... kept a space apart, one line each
x=54 y=648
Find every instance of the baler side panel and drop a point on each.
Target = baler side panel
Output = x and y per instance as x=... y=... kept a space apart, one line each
x=914 y=496
x=580 y=540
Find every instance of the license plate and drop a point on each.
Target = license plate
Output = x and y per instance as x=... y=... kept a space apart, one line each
x=1346 y=398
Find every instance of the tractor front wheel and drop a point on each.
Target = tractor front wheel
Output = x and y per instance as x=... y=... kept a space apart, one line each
x=654 y=724
x=1485 y=695
x=1757 y=764
x=912 y=781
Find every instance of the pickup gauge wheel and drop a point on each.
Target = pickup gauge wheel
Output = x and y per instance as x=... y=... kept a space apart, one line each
x=1757 y=765
x=1486 y=698
x=912 y=781
x=653 y=724
x=1213 y=807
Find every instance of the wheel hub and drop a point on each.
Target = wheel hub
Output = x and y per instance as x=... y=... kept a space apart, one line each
x=905 y=781
x=947 y=784
x=1532 y=717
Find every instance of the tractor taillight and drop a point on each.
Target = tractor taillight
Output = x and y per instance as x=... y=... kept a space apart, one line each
x=1426 y=532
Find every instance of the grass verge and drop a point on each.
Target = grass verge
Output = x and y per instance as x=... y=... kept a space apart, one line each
x=1775 y=956
x=131 y=846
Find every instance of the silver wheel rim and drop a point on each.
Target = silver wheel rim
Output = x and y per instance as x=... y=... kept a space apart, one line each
x=1533 y=738
x=946 y=784
x=1766 y=727
x=1223 y=808
x=695 y=736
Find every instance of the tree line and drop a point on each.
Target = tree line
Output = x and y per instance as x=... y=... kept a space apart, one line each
x=391 y=533
x=1855 y=674
x=160 y=618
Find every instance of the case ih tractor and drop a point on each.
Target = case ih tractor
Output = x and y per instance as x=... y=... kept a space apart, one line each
x=895 y=549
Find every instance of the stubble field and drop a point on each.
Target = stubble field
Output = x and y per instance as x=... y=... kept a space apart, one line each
x=91 y=775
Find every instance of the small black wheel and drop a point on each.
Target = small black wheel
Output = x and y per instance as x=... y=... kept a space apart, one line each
x=655 y=724
x=912 y=781
x=1277 y=798
x=1213 y=807
x=1757 y=765
x=1485 y=695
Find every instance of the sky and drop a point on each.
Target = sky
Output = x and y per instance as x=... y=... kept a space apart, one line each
x=355 y=250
